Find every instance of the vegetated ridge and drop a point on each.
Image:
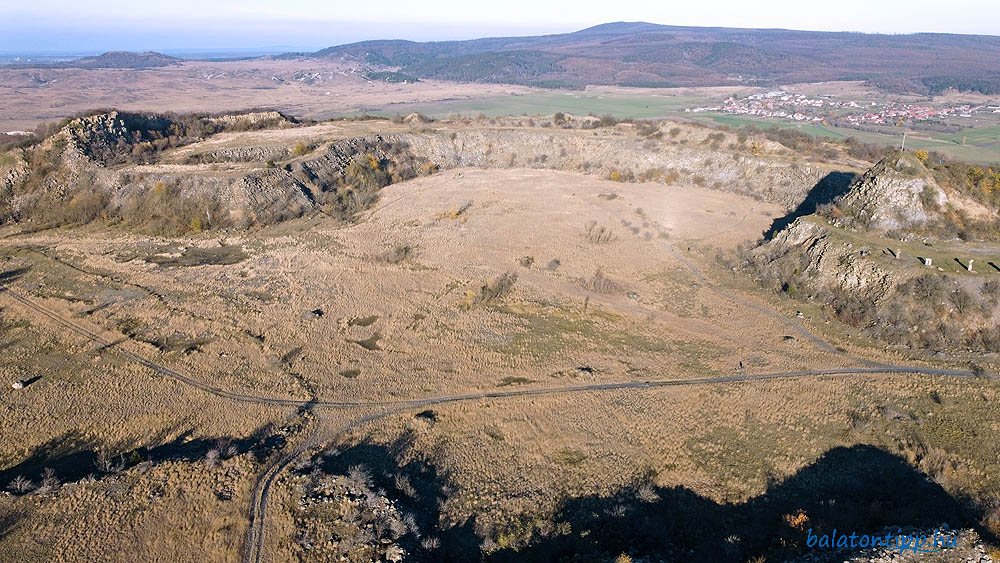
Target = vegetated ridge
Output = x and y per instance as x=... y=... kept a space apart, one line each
x=112 y=59
x=876 y=258
x=646 y=54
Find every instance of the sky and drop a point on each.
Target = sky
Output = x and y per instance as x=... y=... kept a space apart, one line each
x=41 y=26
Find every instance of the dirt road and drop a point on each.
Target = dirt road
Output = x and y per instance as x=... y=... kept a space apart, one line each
x=255 y=540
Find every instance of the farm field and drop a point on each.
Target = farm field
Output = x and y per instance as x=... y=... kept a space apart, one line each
x=981 y=142
x=619 y=104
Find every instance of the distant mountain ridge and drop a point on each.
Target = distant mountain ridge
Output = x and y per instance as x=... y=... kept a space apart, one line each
x=112 y=59
x=646 y=54
x=127 y=59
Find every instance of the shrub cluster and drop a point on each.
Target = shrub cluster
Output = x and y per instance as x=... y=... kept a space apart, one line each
x=354 y=188
x=933 y=311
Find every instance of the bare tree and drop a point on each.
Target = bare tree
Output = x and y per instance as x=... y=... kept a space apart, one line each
x=647 y=494
x=405 y=486
x=107 y=463
x=212 y=457
x=20 y=485
x=49 y=480
x=430 y=543
x=360 y=477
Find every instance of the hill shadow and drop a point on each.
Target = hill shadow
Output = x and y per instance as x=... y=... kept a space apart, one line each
x=431 y=487
x=827 y=190
x=12 y=275
x=859 y=489
x=72 y=457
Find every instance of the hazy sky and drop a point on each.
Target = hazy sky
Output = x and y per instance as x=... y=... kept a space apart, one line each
x=71 y=25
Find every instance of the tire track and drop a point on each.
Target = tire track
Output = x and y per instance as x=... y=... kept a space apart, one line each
x=702 y=280
x=255 y=538
x=427 y=401
x=254 y=543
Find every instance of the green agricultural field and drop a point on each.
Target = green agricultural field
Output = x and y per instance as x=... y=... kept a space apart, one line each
x=982 y=144
x=737 y=121
x=979 y=136
x=543 y=103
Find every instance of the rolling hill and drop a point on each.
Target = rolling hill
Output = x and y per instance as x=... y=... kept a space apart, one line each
x=110 y=59
x=645 y=54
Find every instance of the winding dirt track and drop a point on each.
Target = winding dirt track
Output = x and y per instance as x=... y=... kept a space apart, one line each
x=254 y=546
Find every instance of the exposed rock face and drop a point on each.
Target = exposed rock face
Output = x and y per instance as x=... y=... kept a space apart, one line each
x=106 y=129
x=12 y=175
x=105 y=137
x=807 y=246
x=760 y=178
x=897 y=193
x=98 y=154
x=78 y=169
x=254 y=119
x=324 y=168
x=242 y=154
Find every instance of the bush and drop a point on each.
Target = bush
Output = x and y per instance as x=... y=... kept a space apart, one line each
x=648 y=129
x=399 y=253
x=598 y=234
x=929 y=198
x=599 y=283
x=497 y=289
x=300 y=149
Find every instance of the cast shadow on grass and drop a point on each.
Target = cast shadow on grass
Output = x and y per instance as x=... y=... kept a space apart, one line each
x=11 y=275
x=860 y=489
x=72 y=457
x=430 y=488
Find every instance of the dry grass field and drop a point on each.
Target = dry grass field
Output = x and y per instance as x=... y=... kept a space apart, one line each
x=310 y=88
x=503 y=363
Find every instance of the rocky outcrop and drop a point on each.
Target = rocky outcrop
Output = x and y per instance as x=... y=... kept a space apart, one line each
x=116 y=154
x=324 y=168
x=898 y=193
x=108 y=138
x=250 y=120
x=78 y=174
x=807 y=250
x=242 y=154
x=619 y=156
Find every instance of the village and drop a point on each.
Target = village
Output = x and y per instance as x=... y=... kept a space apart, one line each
x=799 y=107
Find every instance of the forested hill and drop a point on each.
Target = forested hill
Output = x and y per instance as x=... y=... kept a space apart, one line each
x=645 y=54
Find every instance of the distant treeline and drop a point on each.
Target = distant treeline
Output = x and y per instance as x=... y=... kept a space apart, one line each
x=391 y=76
x=938 y=84
x=520 y=67
x=934 y=85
